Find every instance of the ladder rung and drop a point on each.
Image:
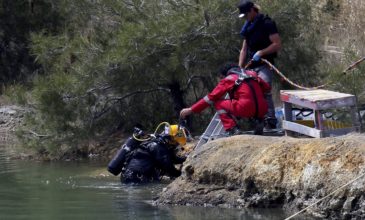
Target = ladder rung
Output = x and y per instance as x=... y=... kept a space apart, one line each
x=213 y=130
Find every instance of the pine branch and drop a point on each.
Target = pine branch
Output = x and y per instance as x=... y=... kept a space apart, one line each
x=107 y=107
x=140 y=92
x=38 y=135
x=190 y=80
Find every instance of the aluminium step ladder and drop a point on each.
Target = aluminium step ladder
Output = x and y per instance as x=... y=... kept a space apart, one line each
x=214 y=130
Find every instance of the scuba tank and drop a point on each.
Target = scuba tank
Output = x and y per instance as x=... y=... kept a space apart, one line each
x=116 y=165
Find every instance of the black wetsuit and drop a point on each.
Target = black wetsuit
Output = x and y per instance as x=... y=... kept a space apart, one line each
x=150 y=161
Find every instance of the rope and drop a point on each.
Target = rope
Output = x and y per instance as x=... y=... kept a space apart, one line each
x=352 y=66
x=288 y=80
x=248 y=64
x=362 y=175
x=302 y=110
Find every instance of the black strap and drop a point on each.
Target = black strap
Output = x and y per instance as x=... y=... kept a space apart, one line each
x=254 y=97
x=248 y=80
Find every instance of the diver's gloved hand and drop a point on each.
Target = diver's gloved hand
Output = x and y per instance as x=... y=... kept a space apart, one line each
x=257 y=56
x=180 y=159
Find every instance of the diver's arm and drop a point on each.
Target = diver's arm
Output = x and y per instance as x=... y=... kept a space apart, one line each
x=163 y=159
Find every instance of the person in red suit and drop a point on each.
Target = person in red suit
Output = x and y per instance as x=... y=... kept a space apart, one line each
x=246 y=98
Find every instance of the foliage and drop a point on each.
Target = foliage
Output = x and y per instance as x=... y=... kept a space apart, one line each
x=301 y=38
x=106 y=65
x=17 y=20
x=117 y=63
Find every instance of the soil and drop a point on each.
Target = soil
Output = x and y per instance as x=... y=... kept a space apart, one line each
x=265 y=172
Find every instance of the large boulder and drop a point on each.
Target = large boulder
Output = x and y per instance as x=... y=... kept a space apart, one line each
x=256 y=171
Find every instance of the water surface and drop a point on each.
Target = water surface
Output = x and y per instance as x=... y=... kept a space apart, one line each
x=81 y=190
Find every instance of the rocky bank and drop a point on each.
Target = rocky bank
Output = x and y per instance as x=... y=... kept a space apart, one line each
x=256 y=171
x=11 y=117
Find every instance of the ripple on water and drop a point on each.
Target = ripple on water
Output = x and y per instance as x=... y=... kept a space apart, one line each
x=6 y=165
x=31 y=190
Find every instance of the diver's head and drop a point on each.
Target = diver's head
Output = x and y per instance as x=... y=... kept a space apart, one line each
x=176 y=135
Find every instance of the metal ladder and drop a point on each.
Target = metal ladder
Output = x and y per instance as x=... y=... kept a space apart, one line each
x=214 y=130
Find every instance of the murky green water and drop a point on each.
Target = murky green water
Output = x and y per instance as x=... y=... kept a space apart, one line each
x=79 y=190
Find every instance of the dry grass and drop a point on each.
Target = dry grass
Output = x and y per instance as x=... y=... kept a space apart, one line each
x=346 y=27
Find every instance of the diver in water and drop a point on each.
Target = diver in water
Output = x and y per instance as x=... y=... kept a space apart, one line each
x=146 y=158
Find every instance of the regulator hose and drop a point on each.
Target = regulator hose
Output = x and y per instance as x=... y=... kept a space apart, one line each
x=158 y=126
x=141 y=139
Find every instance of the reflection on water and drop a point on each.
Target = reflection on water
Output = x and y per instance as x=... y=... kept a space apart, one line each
x=73 y=190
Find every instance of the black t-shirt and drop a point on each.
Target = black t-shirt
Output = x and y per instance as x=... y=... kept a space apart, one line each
x=257 y=35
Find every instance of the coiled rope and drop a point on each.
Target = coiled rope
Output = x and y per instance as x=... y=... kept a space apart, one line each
x=288 y=80
x=352 y=181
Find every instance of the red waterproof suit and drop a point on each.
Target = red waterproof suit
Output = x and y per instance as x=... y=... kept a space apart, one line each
x=241 y=103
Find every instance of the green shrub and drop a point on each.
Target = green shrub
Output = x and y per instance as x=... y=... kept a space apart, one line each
x=117 y=63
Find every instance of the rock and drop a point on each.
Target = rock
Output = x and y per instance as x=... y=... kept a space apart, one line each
x=257 y=171
x=11 y=117
x=349 y=204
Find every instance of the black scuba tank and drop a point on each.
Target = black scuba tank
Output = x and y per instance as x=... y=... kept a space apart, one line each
x=116 y=165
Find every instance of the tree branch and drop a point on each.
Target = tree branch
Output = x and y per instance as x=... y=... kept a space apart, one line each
x=105 y=87
x=190 y=80
x=38 y=135
x=107 y=107
x=139 y=92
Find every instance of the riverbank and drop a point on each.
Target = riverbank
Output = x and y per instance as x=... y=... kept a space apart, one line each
x=249 y=171
x=12 y=118
x=256 y=171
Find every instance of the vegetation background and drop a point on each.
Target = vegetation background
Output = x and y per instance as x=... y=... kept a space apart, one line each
x=87 y=69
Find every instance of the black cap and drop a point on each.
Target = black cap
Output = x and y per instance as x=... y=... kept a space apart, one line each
x=244 y=6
